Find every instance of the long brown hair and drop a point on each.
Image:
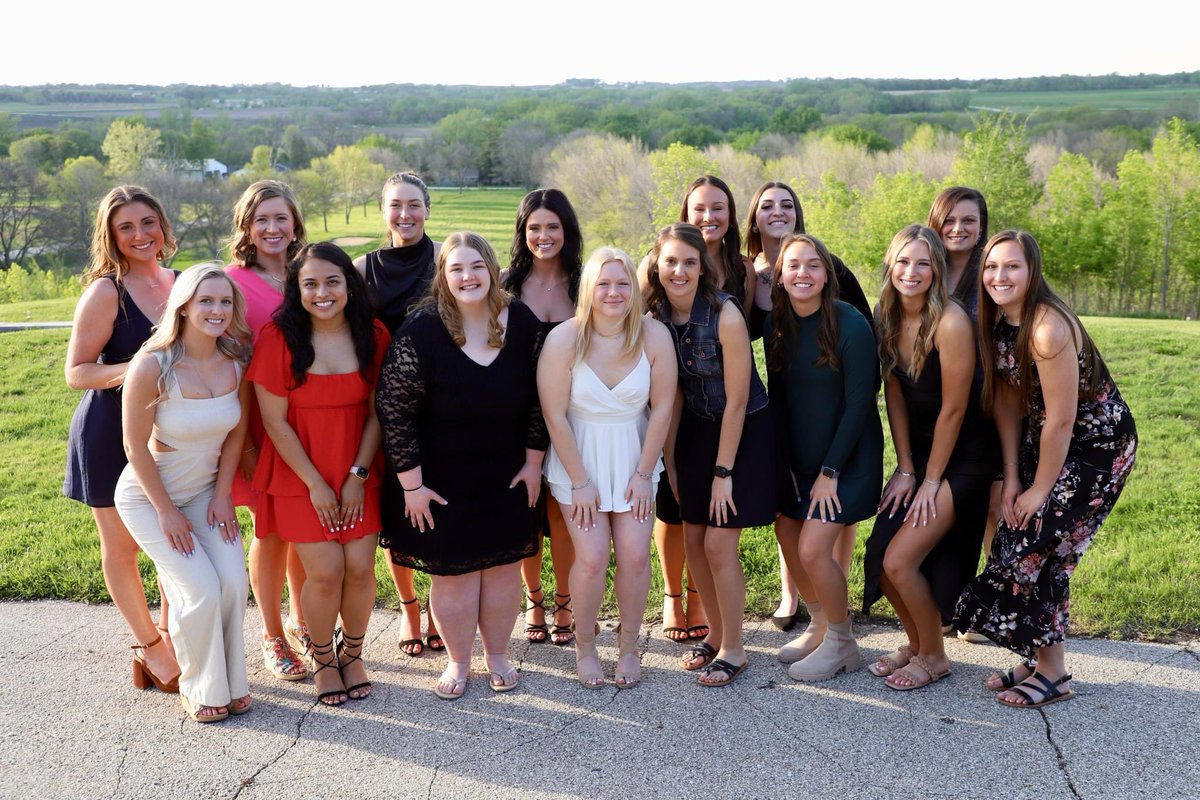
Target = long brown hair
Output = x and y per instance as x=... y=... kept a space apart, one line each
x=731 y=243
x=106 y=259
x=754 y=244
x=783 y=322
x=240 y=244
x=1038 y=295
x=888 y=312
x=690 y=235
x=943 y=204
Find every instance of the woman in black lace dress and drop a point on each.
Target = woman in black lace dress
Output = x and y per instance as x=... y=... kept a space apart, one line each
x=1068 y=442
x=464 y=434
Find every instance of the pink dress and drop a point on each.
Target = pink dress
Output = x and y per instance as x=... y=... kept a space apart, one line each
x=262 y=298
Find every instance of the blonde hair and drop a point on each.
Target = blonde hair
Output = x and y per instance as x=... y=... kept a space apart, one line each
x=888 y=313
x=443 y=301
x=106 y=258
x=241 y=247
x=167 y=337
x=631 y=323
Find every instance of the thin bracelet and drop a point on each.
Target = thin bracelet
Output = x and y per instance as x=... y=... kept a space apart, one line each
x=250 y=449
x=1010 y=463
x=902 y=455
x=932 y=483
x=646 y=476
x=906 y=474
x=582 y=485
x=422 y=486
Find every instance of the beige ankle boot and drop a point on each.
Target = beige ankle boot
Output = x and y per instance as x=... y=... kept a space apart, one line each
x=807 y=641
x=837 y=652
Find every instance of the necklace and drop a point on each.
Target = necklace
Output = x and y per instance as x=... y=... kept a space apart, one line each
x=271 y=277
x=608 y=335
x=551 y=287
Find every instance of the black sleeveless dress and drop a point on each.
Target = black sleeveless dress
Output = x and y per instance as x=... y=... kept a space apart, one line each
x=969 y=473
x=95 y=450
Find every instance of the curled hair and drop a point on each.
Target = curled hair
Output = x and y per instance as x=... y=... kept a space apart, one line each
x=754 y=244
x=520 y=261
x=731 y=243
x=631 y=323
x=241 y=246
x=442 y=301
x=942 y=207
x=784 y=329
x=295 y=322
x=1038 y=295
x=706 y=290
x=888 y=314
x=106 y=258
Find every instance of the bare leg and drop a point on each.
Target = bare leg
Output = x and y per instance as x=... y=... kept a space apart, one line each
x=902 y=566
x=1051 y=664
x=843 y=551
x=631 y=542
x=536 y=629
x=324 y=562
x=729 y=594
x=668 y=541
x=410 y=610
x=118 y=562
x=358 y=598
x=454 y=602
x=789 y=598
x=295 y=582
x=562 y=555
x=588 y=576
x=499 y=601
x=268 y=564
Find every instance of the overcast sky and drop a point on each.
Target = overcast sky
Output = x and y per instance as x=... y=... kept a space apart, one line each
x=532 y=43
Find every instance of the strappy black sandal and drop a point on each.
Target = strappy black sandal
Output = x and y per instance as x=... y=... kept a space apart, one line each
x=536 y=633
x=346 y=643
x=1008 y=678
x=562 y=635
x=1049 y=690
x=315 y=651
x=418 y=647
x=674 y=633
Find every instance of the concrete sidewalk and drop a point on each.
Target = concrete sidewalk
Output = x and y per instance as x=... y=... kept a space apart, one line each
x=72 y=726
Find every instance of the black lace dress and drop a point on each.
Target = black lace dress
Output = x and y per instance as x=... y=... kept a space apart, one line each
x=467 y=426
x=1021 y=600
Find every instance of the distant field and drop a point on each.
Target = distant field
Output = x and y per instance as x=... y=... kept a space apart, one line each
x=1141 y=577
x=1166 y=98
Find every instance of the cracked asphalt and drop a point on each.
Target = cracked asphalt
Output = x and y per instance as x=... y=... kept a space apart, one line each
x=71 y=725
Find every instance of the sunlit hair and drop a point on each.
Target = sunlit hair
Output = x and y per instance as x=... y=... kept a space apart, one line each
x=1038 y=295
x=656 y=295
x=731 y=243
x=442 y=301
x=942 y=206
x=754 y=244
x=888 y=314
x=168 y=335
x=241 y=246
x=398 y=179
x=295 y=323
x=631 y=322
x=520 y=259
x=784 y=328
x=106 y=258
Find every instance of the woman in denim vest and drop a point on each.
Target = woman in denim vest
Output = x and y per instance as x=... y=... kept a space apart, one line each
x=719 y=457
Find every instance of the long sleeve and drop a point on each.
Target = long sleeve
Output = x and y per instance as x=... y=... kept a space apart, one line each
x=399 y=397
x=856 y=350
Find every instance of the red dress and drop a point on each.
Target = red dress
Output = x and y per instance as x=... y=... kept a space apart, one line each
x=328 y=413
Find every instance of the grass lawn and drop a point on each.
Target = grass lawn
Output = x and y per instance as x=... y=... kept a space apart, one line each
x=1140 y=579
x=1155 y=99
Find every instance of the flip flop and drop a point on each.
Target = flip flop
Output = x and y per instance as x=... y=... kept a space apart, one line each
x=704 y=651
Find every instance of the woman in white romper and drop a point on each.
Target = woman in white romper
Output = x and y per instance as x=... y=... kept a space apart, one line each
x=184 y=426
x=607 y=382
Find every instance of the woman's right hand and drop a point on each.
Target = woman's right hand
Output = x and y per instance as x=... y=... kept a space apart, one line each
x=1009 y=493
x=178 y=530
x=416 y=507
x=897 y=494
x=585 y=505
x=325 y=503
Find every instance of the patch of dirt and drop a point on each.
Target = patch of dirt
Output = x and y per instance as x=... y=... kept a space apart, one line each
x=351 y=241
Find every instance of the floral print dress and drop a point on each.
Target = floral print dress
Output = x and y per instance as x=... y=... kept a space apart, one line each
x=1021 y=600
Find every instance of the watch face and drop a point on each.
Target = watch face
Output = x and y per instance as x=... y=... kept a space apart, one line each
x=721 y=472
x=360 y=472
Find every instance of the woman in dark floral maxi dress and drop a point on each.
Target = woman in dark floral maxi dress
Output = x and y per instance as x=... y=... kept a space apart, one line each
x=1068 y=442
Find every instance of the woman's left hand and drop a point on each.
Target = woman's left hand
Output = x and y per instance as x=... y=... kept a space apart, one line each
x=532 y=477
x=223 y=517
x=720 y=506
x=1028 y=504
x=350 y=507
x=924 y=504
x=640 y=494
x=824 y=500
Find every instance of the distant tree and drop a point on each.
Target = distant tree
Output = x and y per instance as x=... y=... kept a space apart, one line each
x=295 y=146
x=1129 y=231
x=129 y=146
x=206 y=215
x=793 y=121
x=993 y=160
x=77 y=190
x=672 y=171
x=202 y=143
x=356 y=177
x=848 y=133
x=608 y=181
x=318 y=189
x=1069 y=227
x=262 y=163
x=693 y=134
x=23 y=215
x=521 y=152
x=1175 y=205
x=891 y=202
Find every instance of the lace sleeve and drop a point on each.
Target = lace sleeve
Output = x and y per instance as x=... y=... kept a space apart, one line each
x=399 y=396
x=537 y=436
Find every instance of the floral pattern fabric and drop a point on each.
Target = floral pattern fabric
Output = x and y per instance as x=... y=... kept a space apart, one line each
x=1021 y=600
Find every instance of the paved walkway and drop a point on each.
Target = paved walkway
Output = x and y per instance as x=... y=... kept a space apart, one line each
x=71 y=726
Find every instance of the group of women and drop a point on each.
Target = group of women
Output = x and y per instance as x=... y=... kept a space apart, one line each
x=422 y=398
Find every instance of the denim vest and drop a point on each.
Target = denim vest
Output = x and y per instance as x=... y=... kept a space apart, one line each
x=701 y=367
